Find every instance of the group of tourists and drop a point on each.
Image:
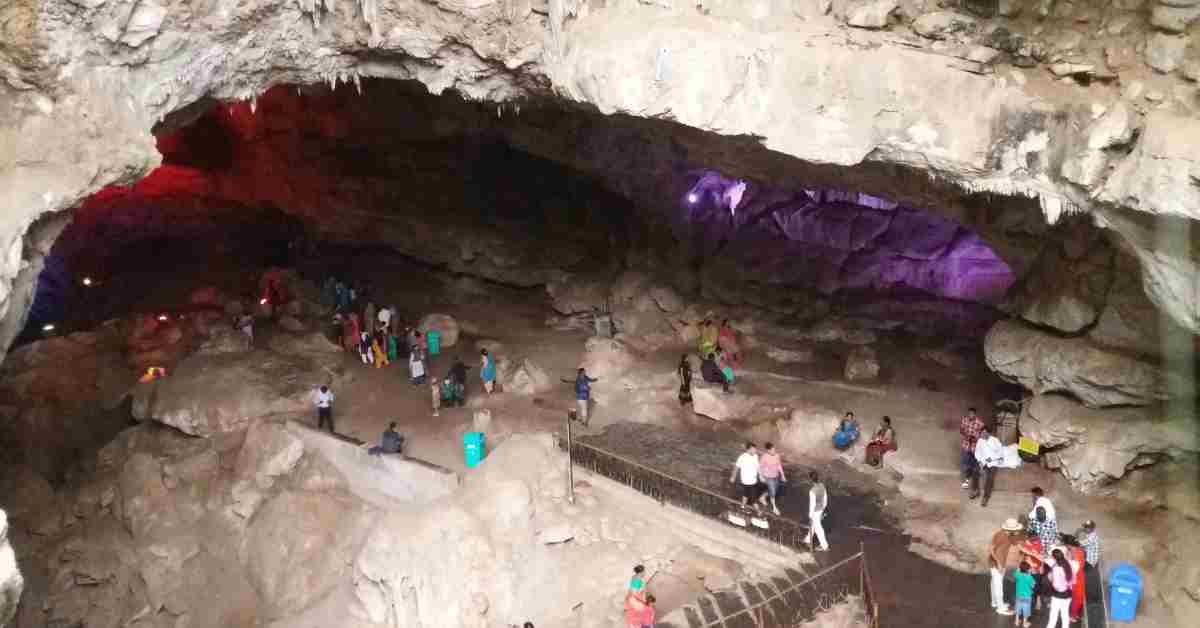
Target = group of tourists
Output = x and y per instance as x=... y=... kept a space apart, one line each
x=761 y=478
x=639 y=604
x=719 y=356
x=1049 y=569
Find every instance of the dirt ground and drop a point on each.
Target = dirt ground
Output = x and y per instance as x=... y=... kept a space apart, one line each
x=918 y=489
x=919 y=485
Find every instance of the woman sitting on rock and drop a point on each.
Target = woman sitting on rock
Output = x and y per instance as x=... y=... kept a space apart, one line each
x=847 y=432
x=882 y=442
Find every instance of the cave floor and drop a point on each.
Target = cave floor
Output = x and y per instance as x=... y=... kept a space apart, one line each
x=934 y=539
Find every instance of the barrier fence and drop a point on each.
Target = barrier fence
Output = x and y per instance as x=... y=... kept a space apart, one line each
x=667 y=488
x=802 y=594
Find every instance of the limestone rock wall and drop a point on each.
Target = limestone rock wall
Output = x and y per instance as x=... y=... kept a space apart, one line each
x=11 y=582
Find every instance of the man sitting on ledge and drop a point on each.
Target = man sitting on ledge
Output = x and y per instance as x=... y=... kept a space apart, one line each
x=390 y=443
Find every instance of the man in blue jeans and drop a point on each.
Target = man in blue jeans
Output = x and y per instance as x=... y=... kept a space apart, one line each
x=969 y=428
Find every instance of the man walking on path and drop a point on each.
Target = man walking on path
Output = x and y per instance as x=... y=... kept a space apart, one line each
x=1004 y=541
x=989 y=452
x=745 y=474
x=323 y=397
x=968 y=429
x=818 y=499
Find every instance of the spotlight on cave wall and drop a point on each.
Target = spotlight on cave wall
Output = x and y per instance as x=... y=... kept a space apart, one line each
x=839 y=241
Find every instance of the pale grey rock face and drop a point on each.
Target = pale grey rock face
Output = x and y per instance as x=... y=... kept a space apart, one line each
x=11 y=582
x=1098 y=377
x=944 y=24
x=1095 y=447
x=873 y=14
x=711 y=402
x=1174 y=19
x=207 y=395
x=1165 y=52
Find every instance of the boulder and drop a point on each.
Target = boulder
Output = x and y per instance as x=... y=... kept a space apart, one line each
x=943 y=24
x=1174 y=19
x=523 y=378
x=1067 y=287
x=297 y=548
x=223 y=339
x=790 y=356
x=445 y=324
x=1165 y=52
x=1131 y=323
x=808 y=429
x=293 y=324
x=310 y=343
x=710 y=401
x=608 y=359
x=1098 y=377
x=208 y=395
x=1095 y=447
x=872 y=14
x=861 y=365
x=270 y=451
x=577 y=295
x=1115 y=128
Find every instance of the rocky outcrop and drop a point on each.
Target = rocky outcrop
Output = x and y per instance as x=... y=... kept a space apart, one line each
x=11 y=581
x=209 y=395
x=1098 y=377
x=1096 y=447
x=861 y=365
x=1067 y=288
x=444 y=324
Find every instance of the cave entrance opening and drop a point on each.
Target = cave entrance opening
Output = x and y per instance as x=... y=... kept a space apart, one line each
x=526 y=194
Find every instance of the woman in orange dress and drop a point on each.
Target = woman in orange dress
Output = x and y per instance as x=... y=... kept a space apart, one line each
x=1078 y=594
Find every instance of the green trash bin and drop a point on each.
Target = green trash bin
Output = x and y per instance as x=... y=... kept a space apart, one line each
x=474 y=448
x=433 y=341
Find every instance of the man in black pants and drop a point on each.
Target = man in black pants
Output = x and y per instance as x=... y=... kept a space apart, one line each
x=323 y=398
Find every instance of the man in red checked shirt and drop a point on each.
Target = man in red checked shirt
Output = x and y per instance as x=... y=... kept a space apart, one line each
x=968 y=428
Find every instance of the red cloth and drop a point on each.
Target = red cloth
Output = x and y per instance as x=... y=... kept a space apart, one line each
x=969 y=428
x=635 y=609
x=350 y=335
x=1078 y=593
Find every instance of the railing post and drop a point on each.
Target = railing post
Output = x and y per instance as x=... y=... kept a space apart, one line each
x=570 y=462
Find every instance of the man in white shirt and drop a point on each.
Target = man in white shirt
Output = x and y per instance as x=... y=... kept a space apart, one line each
x=745 y=474
x=1040 y=499
x=818 y=499
x=323 y=398
x=989 y=453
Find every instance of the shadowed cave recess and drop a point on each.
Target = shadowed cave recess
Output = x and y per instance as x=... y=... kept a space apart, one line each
x=530 y=198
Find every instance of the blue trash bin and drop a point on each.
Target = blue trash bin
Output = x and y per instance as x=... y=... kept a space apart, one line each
x=433 y=341
x=1124 y=591
x=474 y=448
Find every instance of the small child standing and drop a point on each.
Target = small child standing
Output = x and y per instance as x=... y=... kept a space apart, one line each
x=649 y=616
x=1024 y=594
x=435 y=395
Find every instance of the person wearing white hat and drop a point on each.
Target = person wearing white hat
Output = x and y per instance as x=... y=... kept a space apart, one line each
x=1005 y=541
